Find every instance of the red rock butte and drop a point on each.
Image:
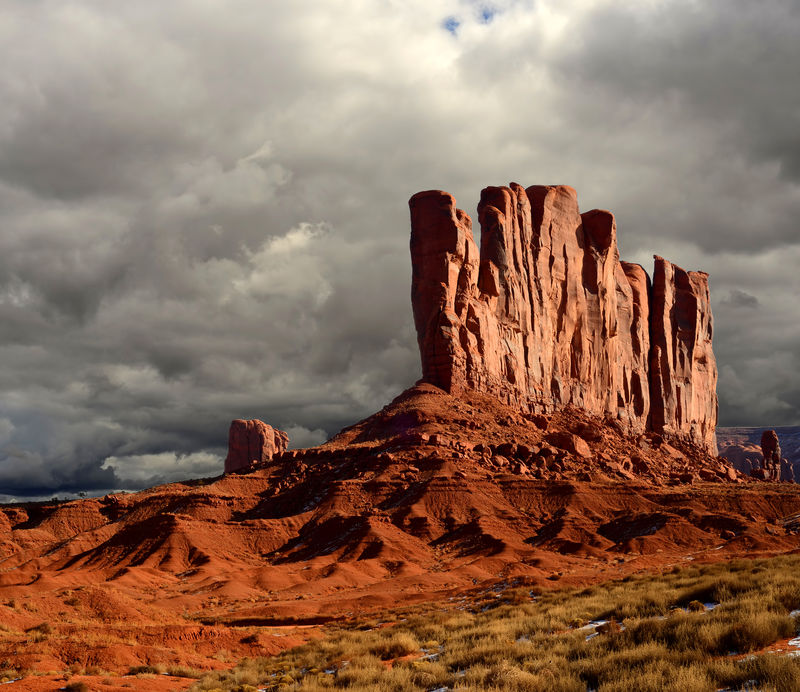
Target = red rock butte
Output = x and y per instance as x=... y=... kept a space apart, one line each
x=252 y=442
x=545 y=314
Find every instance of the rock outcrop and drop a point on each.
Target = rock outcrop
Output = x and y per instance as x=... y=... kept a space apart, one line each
x=770 y=448
x=545 y=315
x=252 y=442
x=774 y=466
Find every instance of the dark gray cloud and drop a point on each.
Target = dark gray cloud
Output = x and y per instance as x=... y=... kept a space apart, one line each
x=717 y=86
x=715 y=62
x=203 y=208
x=740 y=299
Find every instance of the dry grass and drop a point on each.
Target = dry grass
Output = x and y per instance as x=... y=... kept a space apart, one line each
x=76 y=687
x=8 y=629
x=184 y=672
x=77 y=669
x=662 y=638
x=40 y=632
x=7 y=674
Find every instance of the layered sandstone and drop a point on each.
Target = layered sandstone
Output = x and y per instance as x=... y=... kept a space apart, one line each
x=252 y=442
x=545 y=315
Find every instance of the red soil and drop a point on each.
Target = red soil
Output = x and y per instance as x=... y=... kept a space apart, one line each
x=432 y=496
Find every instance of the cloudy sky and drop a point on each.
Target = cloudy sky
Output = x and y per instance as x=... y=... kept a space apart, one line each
x=203 y=204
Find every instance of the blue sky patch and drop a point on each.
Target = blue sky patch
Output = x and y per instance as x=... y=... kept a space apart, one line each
x=486 y=13
x=451 y=24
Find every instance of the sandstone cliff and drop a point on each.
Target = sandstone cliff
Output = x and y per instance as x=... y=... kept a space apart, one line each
x=545 y=315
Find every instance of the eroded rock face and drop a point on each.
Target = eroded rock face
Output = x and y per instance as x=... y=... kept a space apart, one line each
x=546 y=315
x=252 y=442
x=683 y=371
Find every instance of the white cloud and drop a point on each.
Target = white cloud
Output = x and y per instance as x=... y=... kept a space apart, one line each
x=164 y=467
x=300 y=437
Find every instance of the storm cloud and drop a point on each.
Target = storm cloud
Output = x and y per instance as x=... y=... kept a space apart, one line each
x=203 y=205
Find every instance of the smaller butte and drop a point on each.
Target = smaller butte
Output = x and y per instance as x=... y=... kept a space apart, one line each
x=251 y=442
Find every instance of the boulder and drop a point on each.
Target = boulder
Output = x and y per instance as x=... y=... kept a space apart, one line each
x=539 y=420
x=763 y=474
x=620 y=470
x=570 y=443
x=252 y=442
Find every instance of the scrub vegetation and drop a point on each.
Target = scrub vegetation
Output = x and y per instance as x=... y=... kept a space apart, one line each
x=724 y=626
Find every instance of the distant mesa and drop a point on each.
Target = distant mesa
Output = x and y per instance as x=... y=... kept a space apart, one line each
x=252 y=442
x=545 y=315
x=762 y=453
